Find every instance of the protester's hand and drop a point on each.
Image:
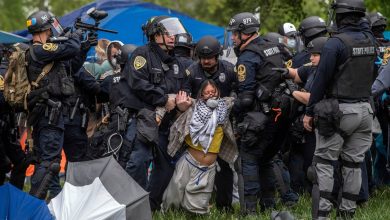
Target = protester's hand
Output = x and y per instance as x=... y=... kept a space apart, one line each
x=183 y=101
x=308 y=123
x=284 y=72
x=170 y=105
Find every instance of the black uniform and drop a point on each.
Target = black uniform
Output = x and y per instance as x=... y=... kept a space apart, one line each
x=44 y=104
x=225 y=78
x=153 y=74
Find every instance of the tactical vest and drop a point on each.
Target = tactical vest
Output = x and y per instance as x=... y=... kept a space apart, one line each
x=353 y=78
x=53 y=80
x=382 y=44
x=272 y=58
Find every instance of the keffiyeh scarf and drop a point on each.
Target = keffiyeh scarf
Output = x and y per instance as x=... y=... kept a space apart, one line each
x=204 y=122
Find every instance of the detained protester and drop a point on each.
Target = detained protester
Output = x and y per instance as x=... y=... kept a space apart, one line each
x=340 y=109
x=201 y=130
x=210 y=67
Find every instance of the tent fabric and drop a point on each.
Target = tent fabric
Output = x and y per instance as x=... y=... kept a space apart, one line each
x=9 y=38
x=128 y=16
x=16 y=204
x=123 y=189
x=74 y=203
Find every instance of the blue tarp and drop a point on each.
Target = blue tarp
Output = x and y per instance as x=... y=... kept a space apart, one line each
x=387 y=34
x=16 y=204
x=9 y=38
x=127 y=17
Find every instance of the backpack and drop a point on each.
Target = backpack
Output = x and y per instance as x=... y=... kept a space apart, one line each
x=16 y=83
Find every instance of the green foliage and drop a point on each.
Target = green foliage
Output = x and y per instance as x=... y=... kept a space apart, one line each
x=375 y=208
x=13 y=13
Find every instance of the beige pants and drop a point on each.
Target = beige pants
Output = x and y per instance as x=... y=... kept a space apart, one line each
x=191 y=186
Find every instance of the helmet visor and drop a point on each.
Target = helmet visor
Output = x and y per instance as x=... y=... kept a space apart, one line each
x=56 y=27
x=172 y=26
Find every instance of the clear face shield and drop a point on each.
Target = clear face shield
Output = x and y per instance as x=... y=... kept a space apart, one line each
x=172 y=27
x=56 y=27
x=228 y=44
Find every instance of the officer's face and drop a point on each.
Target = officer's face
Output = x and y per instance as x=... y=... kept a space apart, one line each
x=315 y=59
x=236 y=38
x=209 y=63
x=166 y=41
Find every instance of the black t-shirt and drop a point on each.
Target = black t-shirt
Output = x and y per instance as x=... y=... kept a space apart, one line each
x=306 y=74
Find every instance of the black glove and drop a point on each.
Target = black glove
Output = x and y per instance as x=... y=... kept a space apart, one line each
x=292 y=86
x=284 y=72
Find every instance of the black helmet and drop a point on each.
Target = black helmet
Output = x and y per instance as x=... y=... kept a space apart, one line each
x=316 y=45
x=273 y=37
x=207 y=47
x=184 y=40
x=312 y=26
x=39 y=21
x=350 y=6
x=125 y=54
x=163 y=25
x=245 y=22
x=377 y=19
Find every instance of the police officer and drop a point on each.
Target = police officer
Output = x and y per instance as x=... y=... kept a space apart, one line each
x=10 y=149
x=255 y=76
x=347 y=90
x=48 y=72
x=184 y=49
x=278 y=39
x=309 y=29
x=378 y=26
x=153 y=74
x=209 y=66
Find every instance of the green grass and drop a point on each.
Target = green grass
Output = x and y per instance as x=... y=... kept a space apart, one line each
x=376 y=208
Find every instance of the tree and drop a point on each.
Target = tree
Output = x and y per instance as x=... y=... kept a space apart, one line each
x=13 y=13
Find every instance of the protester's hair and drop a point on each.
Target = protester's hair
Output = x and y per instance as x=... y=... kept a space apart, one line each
x=101 y=48
x=206 y=83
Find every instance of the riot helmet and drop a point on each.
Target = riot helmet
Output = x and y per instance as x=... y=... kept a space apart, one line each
x=273 y=37
x=41 y=21
x=245 y=22
x=312 y=26
x=316 y=45
x=125 y=53
x=184 y=40
x=207 y=47
x=350 y=6
x=377 y=19
x=163 y=25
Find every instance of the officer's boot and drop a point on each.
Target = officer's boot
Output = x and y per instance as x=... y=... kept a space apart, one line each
x=52 y=168
x=344 y=215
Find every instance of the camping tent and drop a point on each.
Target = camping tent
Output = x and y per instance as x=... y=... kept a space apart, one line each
x=9 y=38
x=128 y=16
x=16 y=204
x=100 y=189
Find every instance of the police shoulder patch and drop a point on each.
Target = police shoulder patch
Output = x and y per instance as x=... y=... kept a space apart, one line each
x=386 y=56
x=1 y=83
x=50 y=47
x=139 y=62
x=289 y=63
x=188 y=73
x=241 y=73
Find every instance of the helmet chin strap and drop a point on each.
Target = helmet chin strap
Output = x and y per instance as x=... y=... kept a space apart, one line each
x=243 y=41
